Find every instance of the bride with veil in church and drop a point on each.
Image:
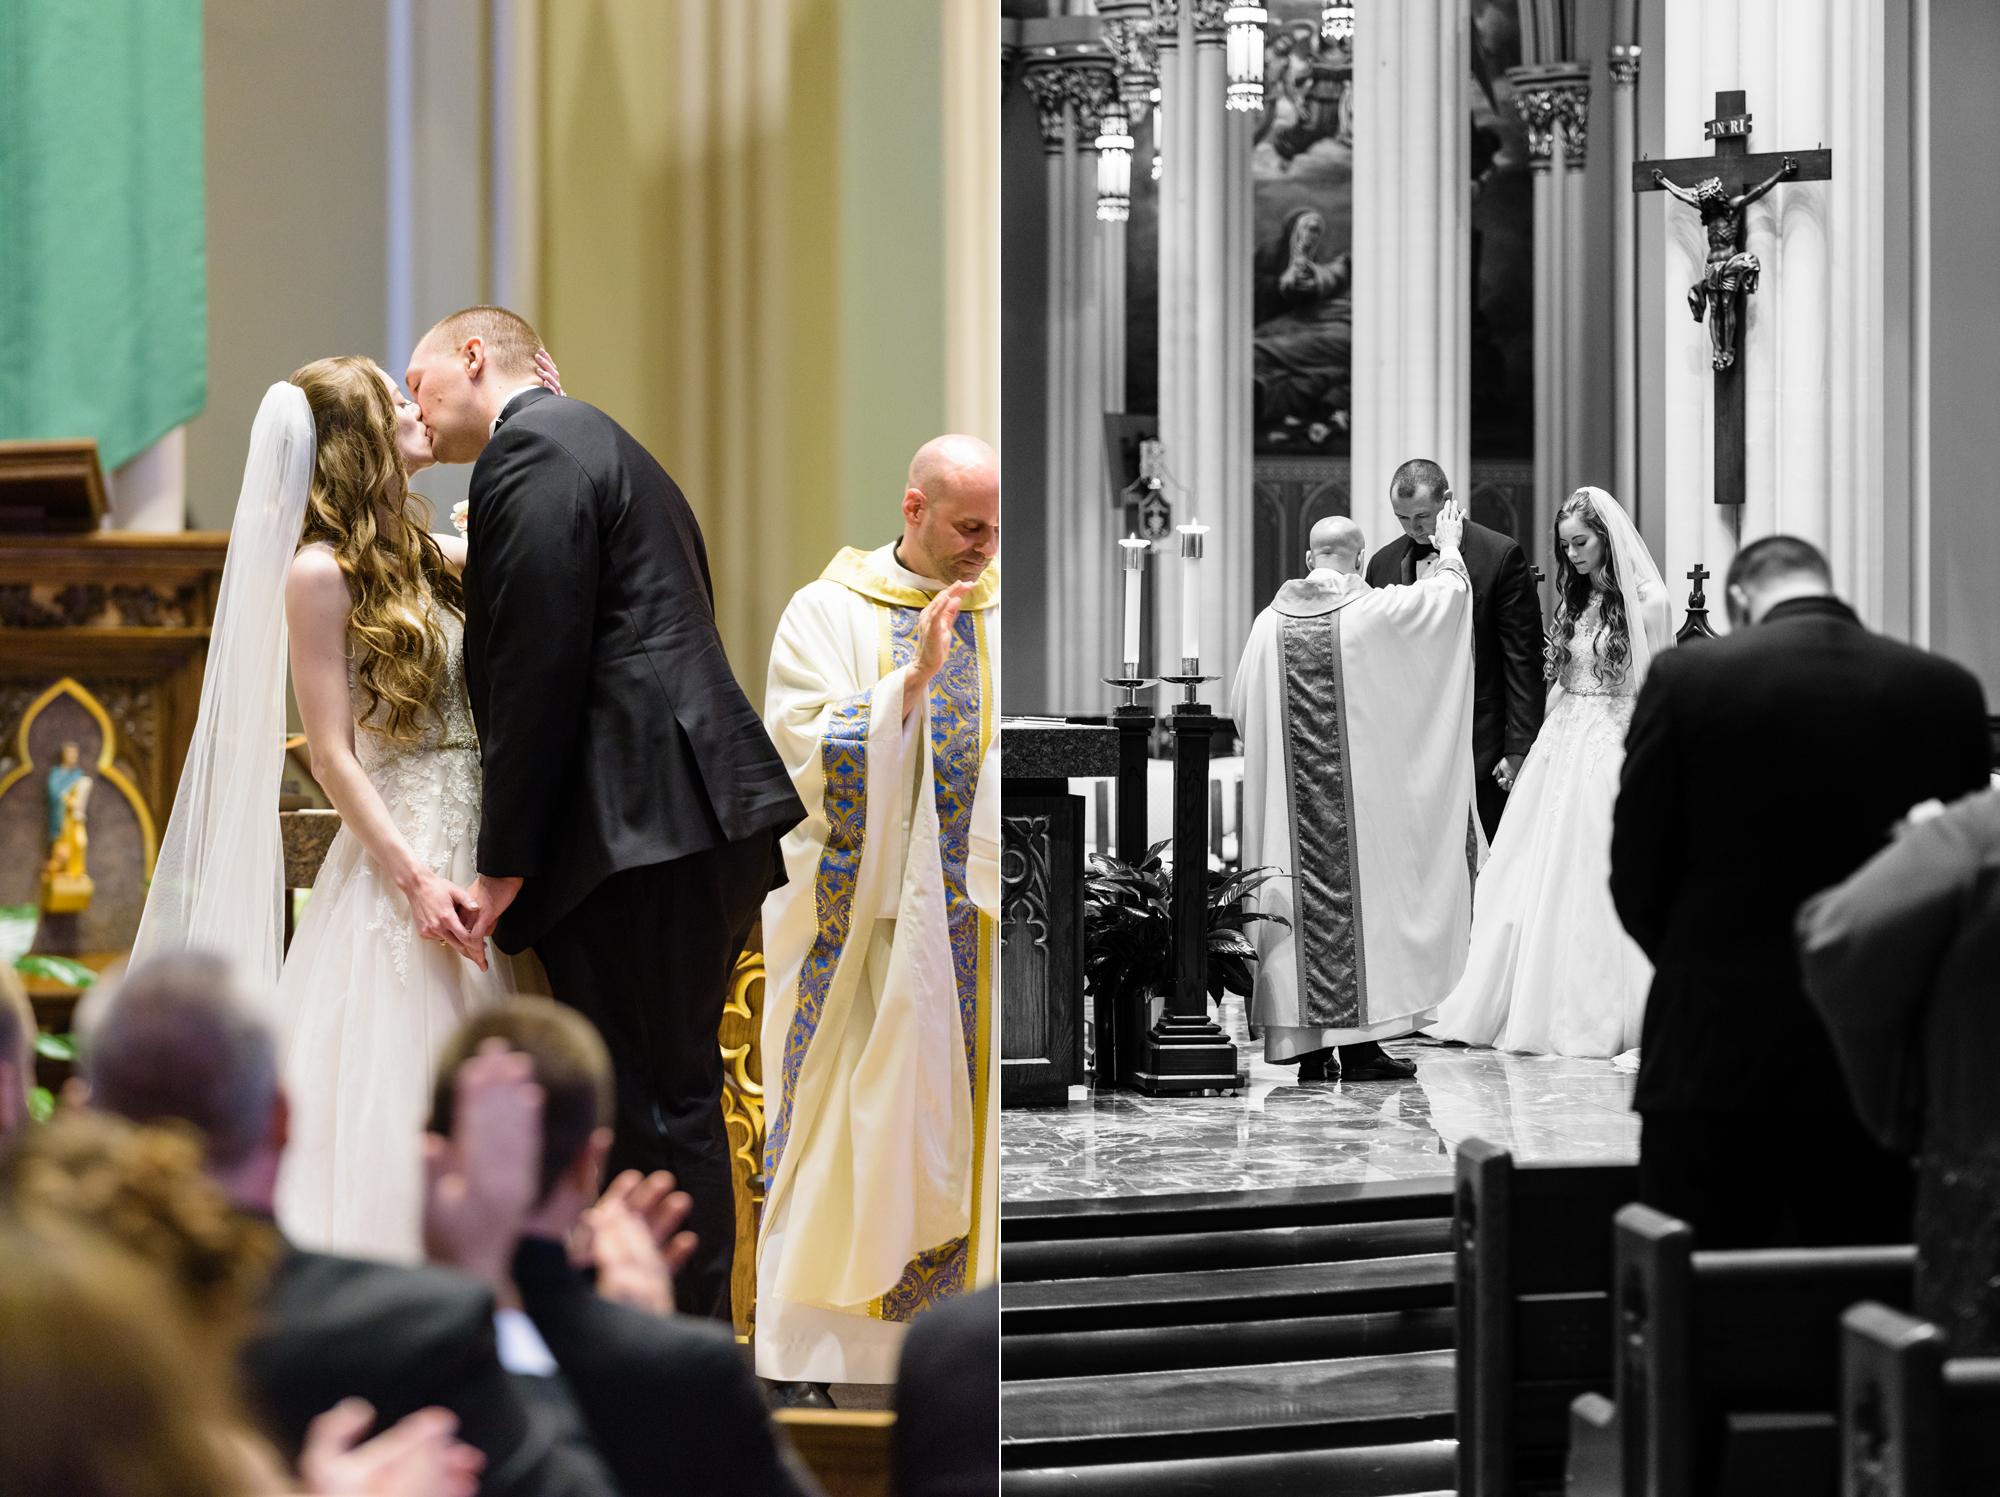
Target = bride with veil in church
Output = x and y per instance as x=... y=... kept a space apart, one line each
x=1551 y=969
x=331 y=561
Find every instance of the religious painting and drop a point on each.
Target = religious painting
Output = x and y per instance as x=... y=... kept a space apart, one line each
x=1302 y=171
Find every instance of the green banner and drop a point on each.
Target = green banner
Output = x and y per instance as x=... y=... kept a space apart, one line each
x=103 y=273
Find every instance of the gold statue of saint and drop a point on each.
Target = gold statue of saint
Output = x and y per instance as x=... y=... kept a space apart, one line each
x=66 y=885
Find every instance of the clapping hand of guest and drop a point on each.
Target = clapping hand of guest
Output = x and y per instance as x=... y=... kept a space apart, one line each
x=482 y=1181
x=419 y=1456
x=631 y=1237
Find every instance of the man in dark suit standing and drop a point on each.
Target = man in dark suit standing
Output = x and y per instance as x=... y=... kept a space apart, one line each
x=632 y=802
x=1759 y=769
x=1507 y=643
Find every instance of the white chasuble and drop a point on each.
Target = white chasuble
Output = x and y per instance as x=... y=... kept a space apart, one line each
x=881 y=1160
x=1355 y=707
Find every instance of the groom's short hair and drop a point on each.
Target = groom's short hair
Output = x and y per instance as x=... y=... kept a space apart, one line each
x=572 y=1067
x=1419 y=474
x=511 y=344
x=1777 y=556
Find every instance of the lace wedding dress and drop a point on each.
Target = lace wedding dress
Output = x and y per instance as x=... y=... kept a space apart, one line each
x=1551 y=970
x=364 y=1004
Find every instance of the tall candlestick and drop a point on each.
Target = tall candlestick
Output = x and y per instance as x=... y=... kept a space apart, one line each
x=1134 y=563
x=1191 y=534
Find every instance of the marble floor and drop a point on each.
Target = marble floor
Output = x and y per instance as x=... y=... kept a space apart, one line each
x=1277 y=1132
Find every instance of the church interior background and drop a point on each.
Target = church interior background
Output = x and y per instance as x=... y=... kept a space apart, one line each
x=1421 y=239
x=763 y=236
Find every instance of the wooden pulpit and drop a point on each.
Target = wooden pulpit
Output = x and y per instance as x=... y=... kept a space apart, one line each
x=103 y=639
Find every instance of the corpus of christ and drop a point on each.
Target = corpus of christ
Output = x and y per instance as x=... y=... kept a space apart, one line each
x=1495 y=915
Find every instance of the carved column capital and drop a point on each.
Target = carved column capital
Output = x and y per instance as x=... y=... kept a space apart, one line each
x=1046 y=85
x=1554 y=104
x=1135 y=62
x=1208 y=27
x=1093 y=86
x=1623 y=62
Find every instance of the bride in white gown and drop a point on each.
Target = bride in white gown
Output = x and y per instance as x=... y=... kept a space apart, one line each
x=329 y=555
x=1551 y=970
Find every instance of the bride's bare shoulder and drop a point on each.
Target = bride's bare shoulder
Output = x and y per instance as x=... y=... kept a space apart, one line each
x=314 y=579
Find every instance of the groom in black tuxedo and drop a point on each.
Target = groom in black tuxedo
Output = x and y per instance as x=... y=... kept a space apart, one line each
x=632 y=801
x=1760 y=769
x=1507 y=687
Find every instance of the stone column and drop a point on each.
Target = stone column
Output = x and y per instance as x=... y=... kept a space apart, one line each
x=1624 y=69
x=1412 y=248
x=1813 y=342
x=1174 y=30
x=1554 y=99
x=1070 y=80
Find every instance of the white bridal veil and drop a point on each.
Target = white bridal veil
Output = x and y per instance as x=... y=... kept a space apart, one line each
x=218 y=882
x=1636 y=569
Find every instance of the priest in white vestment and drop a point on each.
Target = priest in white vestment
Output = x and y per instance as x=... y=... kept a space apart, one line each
x=881 y=950
x=1355 y=707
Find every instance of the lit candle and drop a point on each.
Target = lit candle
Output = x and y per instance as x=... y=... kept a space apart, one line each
x=1134 y=564
x=1191 y=534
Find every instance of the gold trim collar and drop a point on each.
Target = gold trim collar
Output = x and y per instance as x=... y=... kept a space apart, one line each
x=858 y=569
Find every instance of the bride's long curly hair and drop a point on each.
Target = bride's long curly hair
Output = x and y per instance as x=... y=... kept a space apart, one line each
x=396 y=644
x=1573 y=595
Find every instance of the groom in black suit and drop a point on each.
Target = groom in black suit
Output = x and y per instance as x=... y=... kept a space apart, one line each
x=1760 y=769
x=632 y=801
x=1507 y=687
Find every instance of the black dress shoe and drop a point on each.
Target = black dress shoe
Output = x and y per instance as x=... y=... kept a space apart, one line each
x=1318 y=1066
x=797 y=1395
x=1381 y=1066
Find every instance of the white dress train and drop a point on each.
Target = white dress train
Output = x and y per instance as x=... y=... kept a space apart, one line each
x=1551 y=970
x=364 y=1003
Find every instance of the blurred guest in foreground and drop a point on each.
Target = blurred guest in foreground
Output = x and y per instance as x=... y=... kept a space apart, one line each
x=17 y=1058
x=1899 y=960
x=1759 y=769
x=178 y=1039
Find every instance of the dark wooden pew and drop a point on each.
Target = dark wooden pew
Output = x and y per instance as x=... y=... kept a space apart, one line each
x=1913 y=1421
x=1533 y=1250
x=1728 y=1365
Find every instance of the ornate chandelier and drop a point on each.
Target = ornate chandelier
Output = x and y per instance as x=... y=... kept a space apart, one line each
x=1245 y=54
x=1114 y=167
x=1336 y=22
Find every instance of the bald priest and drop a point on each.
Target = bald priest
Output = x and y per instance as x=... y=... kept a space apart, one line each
x=881 y=950
x=1355 y=706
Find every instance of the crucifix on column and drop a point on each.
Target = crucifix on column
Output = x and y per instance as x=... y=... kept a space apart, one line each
x=1720 y=187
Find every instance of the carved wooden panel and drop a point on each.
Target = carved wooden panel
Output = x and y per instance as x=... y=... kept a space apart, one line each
x=1041 y=945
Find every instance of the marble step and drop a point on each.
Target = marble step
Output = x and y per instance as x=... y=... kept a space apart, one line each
x=1163 y=1348
x=1416 y=1281
x=1180 y=1252
x=1224 y=1211
x=1363 y=1471
x=1229 y=1411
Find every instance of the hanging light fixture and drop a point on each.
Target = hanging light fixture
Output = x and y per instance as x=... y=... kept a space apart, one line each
x=1114 y=167
x=1245 y=53
x=1159 y=133
x=1336 y=22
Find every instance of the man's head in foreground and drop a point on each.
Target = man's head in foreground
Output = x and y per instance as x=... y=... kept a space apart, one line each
x=573 y=1070
x=17 y=1057
x=1774 y=570
x=951 y=510
x=179 y=1038
x=1335 y=544
x=462 y=373
x=1417 y=492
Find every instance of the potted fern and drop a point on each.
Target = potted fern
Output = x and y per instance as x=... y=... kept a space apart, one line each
x=1128 y=951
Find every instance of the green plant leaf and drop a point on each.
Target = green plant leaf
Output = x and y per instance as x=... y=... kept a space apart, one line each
x=41 y=1104
x=57 y=969
x=56 y=1046
x=17 y=930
